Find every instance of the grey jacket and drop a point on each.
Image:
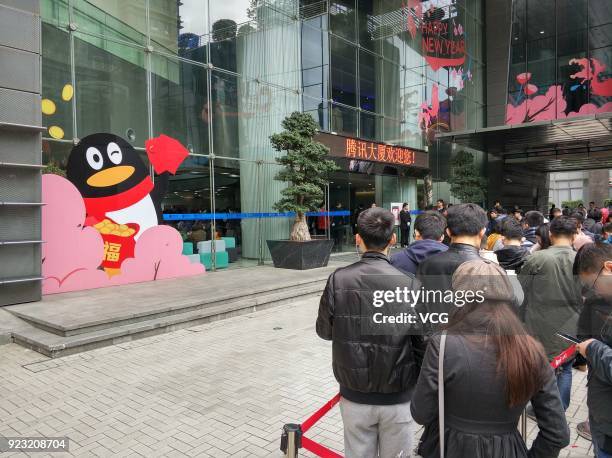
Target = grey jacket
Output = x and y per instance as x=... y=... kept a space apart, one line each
x=599 y=394
x=478 y=421
x=553 y=297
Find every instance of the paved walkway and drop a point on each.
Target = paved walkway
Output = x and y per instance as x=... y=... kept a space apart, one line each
x=220 y=389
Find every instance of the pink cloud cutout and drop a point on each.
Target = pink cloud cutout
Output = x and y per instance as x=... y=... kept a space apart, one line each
x=73 y=252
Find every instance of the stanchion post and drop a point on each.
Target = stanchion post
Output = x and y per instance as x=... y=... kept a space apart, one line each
x=291 y=440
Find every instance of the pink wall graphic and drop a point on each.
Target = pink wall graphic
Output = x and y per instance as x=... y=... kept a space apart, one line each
x=100 y=225
x=529 y=106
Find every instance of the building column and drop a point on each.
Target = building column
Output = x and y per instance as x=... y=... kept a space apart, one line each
x=20 y=151
x=598 y=186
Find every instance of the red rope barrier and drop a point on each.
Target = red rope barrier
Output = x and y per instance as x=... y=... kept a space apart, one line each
x=319 y=449
x=324 y=452
x=309 y=444
x=319 y=413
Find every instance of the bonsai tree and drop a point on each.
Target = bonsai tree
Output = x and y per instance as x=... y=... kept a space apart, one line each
x=53 y=168
x=466 y=184
x=306 y=169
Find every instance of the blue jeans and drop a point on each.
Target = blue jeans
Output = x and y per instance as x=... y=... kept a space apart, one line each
x=599 y=453
x=564 y=383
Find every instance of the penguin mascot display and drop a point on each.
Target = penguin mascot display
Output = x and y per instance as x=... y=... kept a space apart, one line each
x=121 y=199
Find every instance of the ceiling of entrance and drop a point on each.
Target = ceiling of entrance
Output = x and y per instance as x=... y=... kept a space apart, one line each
x=571 y=144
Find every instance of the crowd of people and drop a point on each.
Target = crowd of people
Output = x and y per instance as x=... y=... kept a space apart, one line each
x=544 y=281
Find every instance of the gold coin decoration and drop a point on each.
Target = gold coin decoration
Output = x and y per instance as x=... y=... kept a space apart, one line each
x=48 y=106
x=67 y=92
x=56 y=132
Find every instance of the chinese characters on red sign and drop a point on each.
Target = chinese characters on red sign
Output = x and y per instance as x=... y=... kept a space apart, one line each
x=369 y=151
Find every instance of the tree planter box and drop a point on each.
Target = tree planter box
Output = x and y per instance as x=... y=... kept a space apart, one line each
x=288 y=254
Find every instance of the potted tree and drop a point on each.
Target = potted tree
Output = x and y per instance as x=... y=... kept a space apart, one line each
x=306 y=169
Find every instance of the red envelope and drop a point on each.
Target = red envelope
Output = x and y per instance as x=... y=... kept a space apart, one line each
x=165 y=153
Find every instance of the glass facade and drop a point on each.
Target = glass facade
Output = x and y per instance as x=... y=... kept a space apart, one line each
x=220 y=76
x=561 y=56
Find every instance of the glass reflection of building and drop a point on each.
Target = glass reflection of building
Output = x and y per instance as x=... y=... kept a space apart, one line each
x=560 y=60
x=221 y=75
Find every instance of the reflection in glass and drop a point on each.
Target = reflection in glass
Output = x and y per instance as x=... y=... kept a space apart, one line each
x=180 y=102
x=342 y=18
x=370 y=126
x=343 y=71
x=368 y=88
x=122 y=21
x=57 y=101
x=344 y=120
x=189 y=193
x=227 y=202
x=111 y=88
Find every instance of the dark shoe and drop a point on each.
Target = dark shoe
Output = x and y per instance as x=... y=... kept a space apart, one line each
x=584 y=430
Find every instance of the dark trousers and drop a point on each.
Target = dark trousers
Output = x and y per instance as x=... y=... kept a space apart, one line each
x=405 y=236
x=337 y=233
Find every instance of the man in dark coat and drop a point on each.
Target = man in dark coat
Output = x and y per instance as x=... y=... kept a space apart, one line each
x=512 y=256
x=405 y=221
x=593 y=264
x=466 y=227
x=552 y=296
x=375 y=362
x=429 y=229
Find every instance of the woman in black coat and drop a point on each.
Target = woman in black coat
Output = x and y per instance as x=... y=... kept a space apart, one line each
x=492 y=368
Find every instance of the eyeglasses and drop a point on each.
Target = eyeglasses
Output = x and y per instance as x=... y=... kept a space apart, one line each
x=597 y=278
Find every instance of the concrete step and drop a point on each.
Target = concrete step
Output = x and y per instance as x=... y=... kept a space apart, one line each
x=86 y=317
x=54 y=345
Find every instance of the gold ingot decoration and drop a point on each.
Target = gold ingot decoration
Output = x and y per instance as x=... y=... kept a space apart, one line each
x=106 y=227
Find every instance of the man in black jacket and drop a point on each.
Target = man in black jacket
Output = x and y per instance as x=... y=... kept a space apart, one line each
x=512 y=256
x=376 y=363
x=466 y=227
x=593 y=264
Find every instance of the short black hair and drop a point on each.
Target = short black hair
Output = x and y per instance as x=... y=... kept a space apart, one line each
x=591 y=257
x=595 y=214
x=466 y=219
x=578 y=216
x=512 y=229
x=441 y=201
x=564 y=226
x=497 y=227
x=375 y=226
x=405 y=204
x=534 y=218
x=430 y=224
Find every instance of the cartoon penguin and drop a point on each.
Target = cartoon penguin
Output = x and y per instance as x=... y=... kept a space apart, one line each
x=115 y=182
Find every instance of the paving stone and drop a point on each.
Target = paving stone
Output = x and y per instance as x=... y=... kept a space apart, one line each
x=219 y=389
